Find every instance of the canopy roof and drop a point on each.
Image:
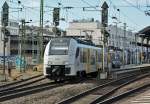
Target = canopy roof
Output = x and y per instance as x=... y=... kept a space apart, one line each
x=145 y=32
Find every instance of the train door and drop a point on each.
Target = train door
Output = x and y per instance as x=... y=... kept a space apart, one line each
x=92 y=60
x=98 y=59
x=88 y=61
x=83 y=59
x=77 y=59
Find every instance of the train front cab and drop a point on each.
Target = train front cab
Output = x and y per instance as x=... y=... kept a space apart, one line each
x=58 y=60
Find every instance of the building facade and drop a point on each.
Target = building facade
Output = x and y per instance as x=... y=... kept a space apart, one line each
x=85 y=29
x=91 y=28
x=13 y=28
x=121 y=41
x=27 y=46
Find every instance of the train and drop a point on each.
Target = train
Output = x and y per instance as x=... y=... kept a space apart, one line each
x=70 y=57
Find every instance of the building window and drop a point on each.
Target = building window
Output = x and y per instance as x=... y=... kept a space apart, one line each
x=13 y=52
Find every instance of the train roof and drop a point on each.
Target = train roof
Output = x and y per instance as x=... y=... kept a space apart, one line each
x=85 y=42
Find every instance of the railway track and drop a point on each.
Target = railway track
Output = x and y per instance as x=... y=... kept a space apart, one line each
x=27 y=91
x=20 y=92
x=125 y=94
x=100 y=93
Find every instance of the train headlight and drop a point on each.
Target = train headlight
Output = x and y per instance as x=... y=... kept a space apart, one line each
x=49 y=62
x=65 y=62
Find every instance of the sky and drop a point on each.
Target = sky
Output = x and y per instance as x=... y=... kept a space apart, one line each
x=131 y=12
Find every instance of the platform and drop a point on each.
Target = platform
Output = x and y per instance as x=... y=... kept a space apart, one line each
x=132 y=69
x=131 y=66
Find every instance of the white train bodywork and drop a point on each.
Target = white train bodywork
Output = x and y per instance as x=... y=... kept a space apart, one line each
x=68 y=57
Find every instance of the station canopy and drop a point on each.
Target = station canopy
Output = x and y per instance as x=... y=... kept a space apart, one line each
x=145 y=33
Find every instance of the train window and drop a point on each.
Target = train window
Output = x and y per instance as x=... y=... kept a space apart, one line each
x=59 y=46
x=92 y=57
x=77 y=52
x=83 y=56
x=58 y=51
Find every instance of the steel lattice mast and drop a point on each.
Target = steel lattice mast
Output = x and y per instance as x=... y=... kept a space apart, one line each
x=40 y=39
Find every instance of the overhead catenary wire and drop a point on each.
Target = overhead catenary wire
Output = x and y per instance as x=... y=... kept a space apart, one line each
x=89 y=4
x=36 y=8
x=133 y=6
x=131 y=20
x=125 y=16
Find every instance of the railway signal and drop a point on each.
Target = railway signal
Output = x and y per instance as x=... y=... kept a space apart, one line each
x=104 y=21
x=104 y=17
x=56 y=16
x=5 y=13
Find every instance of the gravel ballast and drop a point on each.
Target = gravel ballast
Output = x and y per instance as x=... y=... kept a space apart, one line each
x=52 y=96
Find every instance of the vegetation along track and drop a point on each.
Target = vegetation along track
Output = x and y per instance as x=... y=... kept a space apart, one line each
x=18 y=82
x=101 y=92
x=22 y=84
x=15 y=93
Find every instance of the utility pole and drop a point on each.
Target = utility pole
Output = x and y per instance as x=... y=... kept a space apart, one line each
x=117 y=37
x=33 y=46
x=136 y=54
x=4 y=21
x=40 y=37
x=124 y=45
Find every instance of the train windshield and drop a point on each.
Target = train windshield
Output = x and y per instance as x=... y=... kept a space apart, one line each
x=59 y=46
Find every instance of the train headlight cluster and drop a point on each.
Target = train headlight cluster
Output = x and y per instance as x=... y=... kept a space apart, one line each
x=65 y=62
x=49 y=63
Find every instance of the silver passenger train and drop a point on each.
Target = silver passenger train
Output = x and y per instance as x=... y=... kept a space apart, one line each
x=70 y=57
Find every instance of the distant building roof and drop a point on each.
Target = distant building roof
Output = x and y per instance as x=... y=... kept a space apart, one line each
x=84 y=20
x=46 y=32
